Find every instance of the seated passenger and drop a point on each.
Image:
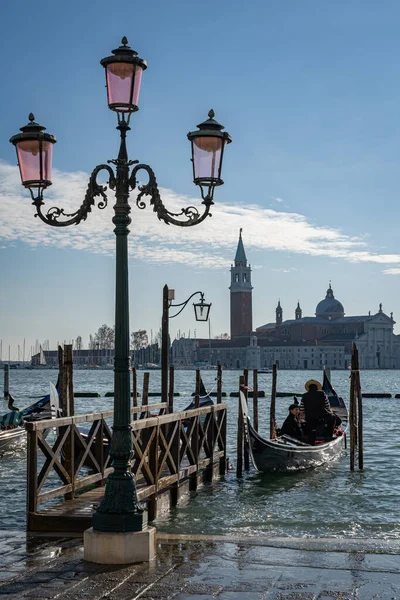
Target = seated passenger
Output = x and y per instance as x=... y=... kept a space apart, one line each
x=291 y=425
x=317 y=411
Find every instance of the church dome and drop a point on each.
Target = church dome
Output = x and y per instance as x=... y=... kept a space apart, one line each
x=329 y=308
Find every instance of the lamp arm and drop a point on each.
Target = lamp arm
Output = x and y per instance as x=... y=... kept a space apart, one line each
x=183 y=304
x=151 y=189
x=94 y=189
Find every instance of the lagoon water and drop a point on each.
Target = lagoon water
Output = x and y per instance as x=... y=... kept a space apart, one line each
x=330 y=502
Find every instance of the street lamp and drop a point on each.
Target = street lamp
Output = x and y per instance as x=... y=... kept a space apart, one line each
x=120 y=512
x=201 y=312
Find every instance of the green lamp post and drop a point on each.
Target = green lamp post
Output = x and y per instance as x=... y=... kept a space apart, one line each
x=120 y=512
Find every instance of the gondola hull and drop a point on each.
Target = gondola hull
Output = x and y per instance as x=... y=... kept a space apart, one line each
x=286 y=453
x=11 y=438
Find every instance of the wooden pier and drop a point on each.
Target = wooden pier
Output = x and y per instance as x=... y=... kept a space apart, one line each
x=172 y=453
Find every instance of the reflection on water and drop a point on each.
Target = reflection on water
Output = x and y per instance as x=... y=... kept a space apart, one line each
x=329 y=502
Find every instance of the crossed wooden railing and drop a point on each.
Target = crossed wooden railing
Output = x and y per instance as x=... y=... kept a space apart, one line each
x=167 y=449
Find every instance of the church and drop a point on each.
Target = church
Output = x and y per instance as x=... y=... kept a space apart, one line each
x=297 y=343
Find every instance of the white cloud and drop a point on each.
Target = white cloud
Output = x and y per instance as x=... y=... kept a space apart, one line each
x=278 y=199
x=391 y=271
x=208 y=245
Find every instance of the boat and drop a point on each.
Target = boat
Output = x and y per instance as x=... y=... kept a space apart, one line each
x=264 y=371
x=12 y=430
x=286 y=453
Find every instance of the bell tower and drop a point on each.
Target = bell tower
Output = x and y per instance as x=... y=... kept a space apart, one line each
x=241 y=294
x=279 y=313
x=298 y=312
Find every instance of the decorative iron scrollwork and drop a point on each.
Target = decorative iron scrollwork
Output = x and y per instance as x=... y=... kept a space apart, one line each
x=94 y=189
x=151 y=189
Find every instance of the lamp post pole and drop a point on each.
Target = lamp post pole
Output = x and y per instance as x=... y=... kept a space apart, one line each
x=164 y=345
x=120 y=512
x=201 y=311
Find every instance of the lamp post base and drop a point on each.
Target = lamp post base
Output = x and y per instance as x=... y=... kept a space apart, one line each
x=119 y=548
x=119 y=522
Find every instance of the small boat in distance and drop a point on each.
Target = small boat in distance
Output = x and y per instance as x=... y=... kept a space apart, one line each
x=12 y=430
x=286 y=453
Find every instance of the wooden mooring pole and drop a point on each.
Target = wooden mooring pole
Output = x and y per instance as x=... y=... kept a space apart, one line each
x=272 y=419
x=358 y=411
x=6 y=380
x=219 y=384
x=246 y=455
x=134 y=391
x=255 y=399
x=352 y=408
x=195 y=437
x=171 y=390
x=239 y=445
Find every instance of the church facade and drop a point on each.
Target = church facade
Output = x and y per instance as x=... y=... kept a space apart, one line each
x=304 y=342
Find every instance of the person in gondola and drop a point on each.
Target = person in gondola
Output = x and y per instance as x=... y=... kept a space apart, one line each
x=318 y=415
x=291 y=425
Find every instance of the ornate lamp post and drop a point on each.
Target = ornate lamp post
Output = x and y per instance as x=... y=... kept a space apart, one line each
x=201 y=312
x=119 y=511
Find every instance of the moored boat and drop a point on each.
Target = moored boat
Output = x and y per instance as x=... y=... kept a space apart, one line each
x=285 y=453
x=12 y=430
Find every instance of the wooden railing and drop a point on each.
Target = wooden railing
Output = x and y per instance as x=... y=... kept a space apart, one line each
x=167 y=449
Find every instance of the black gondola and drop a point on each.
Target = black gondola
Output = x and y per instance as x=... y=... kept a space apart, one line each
x=285 y=453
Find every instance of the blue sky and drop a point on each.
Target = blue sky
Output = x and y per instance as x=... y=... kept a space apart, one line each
x=309 y=92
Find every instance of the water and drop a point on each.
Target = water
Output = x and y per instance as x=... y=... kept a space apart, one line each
x=330 y=502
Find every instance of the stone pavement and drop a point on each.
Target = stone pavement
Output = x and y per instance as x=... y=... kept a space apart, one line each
x=199 y=568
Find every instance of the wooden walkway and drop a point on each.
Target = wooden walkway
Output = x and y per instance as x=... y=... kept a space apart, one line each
x=170 y=453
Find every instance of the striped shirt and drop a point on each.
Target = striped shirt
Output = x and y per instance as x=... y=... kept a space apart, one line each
x=313 y=404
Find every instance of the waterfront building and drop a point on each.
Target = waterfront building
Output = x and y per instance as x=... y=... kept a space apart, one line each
x=304 y=342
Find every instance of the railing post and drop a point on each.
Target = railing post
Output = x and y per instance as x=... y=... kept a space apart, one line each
x=31 y=474
x=209 y=443
x=154 y=466
x=175 y=452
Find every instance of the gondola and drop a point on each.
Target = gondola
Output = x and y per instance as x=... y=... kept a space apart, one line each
x=285 y=453
x=12 y=430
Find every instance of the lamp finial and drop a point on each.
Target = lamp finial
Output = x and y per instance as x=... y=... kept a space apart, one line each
x=211 y=114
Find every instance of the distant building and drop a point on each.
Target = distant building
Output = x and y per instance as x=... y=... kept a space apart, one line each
x=301 y=343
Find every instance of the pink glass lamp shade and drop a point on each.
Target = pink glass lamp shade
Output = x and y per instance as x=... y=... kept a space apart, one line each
x=123 y=78
x=34 y=152
x=208 y=144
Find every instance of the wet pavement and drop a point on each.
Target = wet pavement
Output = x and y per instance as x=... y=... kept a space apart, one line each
x=201 y=568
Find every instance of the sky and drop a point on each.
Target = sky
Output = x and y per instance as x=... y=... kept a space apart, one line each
x=309 y=92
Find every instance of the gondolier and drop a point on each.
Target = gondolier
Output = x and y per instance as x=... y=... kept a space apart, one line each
x=317 y=412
